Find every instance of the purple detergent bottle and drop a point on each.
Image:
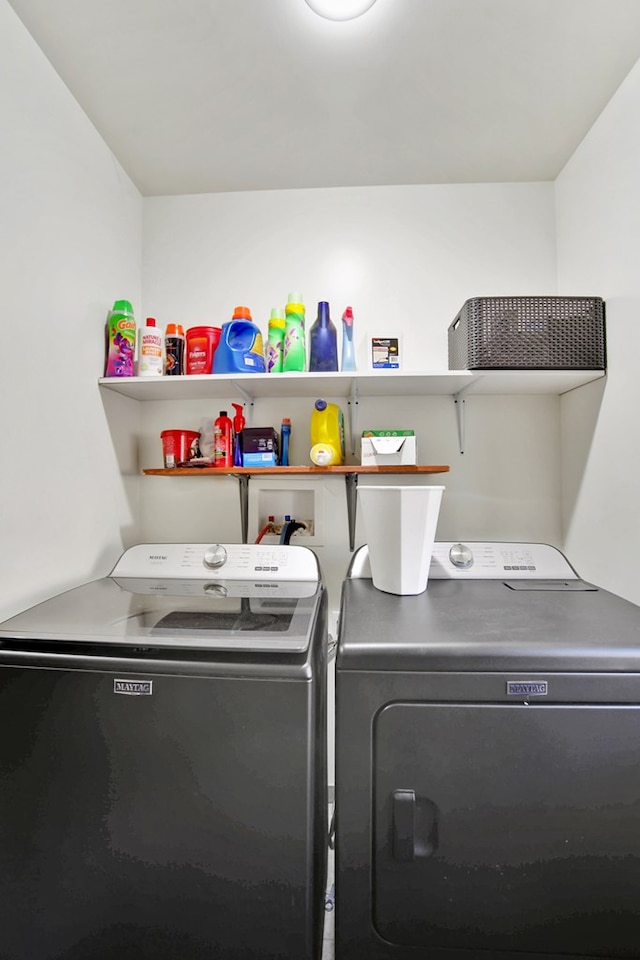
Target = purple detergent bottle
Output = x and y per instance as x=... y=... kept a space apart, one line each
x=323 y=342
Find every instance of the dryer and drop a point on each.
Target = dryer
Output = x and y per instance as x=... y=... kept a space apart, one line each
x=487 y=762
x=163 y=761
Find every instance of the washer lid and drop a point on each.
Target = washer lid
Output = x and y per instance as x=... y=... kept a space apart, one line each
x=262 y=617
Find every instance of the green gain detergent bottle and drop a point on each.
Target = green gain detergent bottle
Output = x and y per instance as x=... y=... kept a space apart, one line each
x=295 y=353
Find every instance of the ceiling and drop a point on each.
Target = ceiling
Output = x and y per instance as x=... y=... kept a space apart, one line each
x=201 y=96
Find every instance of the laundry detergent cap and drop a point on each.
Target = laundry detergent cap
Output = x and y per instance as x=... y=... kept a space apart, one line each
x=122 y=306
x=242 y=313
x=321 y=404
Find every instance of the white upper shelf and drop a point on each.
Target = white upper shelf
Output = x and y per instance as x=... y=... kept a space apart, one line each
x=383 y=383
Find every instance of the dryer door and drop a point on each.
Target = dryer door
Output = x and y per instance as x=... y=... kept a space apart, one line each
x=508 y=827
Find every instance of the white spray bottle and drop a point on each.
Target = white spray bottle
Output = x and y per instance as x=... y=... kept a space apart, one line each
x=348 y=353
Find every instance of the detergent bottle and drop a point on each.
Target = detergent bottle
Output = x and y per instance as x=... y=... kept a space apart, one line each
x=295 y=354
x=222 y=441
x=323 y=342
x=295 y=305
x=240 y=349
x=121 y=340
x=238 y=426
x=285 y=437
x=151 y=342
x=348 y=353
x=275 y=341
x=174 y=346
x=327 y=434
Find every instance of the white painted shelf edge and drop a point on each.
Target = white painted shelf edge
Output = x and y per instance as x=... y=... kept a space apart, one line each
x=383 y=383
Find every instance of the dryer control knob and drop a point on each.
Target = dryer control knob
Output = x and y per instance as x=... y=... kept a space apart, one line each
x=215 y=556
x=461 y=556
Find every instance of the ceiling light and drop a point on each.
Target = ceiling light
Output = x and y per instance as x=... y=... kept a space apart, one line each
x=340 y=9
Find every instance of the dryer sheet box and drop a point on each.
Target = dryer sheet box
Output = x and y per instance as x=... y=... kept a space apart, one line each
x=388 y=448
x=259 y=447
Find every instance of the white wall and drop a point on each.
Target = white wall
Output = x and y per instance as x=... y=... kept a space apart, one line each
x=406 y=258
x=598 y=227
x=70 y=234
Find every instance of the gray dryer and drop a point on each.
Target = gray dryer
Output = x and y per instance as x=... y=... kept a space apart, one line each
x=487 y=763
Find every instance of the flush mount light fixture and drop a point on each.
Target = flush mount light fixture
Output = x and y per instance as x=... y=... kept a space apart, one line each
x=340 y=9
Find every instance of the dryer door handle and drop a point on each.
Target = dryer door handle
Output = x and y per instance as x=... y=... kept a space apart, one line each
x=414 y=825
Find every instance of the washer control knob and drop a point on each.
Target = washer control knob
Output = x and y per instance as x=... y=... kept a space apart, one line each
x=215 y=556
x=216 y=589
x=461 y=556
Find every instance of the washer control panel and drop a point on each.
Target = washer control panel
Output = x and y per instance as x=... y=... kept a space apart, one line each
x=228 y=561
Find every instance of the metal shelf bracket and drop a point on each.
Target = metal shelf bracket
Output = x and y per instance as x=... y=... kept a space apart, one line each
x=459 y=400
x=353 y=401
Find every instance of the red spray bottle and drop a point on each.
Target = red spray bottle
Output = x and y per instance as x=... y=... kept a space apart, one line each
x=222 y=441
x=238 y=426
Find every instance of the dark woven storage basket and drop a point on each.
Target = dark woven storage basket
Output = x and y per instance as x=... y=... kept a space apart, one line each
x=527 y=333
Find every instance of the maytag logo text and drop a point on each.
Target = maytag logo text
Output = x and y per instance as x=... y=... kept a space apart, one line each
x=134 y=688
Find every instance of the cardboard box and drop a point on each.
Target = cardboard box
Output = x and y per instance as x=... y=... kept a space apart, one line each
x=388 y=448
x=259 y=447
x=259 y=460
x=385 y=353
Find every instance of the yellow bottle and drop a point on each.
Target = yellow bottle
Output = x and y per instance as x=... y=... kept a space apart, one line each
x=327 y=434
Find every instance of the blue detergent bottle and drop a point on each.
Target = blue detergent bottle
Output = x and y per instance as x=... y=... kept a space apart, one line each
x=323 y=342
x=240 y=349
x=285 y=436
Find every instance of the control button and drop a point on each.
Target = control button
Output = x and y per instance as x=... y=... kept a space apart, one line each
x=215 y=556
x=461 y=556
x=216 y=589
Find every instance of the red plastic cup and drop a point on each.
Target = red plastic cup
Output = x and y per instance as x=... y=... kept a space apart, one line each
x=177 y=446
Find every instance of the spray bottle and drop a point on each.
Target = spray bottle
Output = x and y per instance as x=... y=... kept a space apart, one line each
x=238 y=426
x=348 y=353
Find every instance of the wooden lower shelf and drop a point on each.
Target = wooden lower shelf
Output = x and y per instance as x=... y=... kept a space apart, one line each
x=349 y=472
x=300 y=471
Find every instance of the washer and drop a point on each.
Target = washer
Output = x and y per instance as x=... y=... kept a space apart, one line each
x=163 y=761
x=487 y=762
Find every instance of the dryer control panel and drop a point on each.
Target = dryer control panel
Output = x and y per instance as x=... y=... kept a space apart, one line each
x=482 y=560
x=485 y=560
